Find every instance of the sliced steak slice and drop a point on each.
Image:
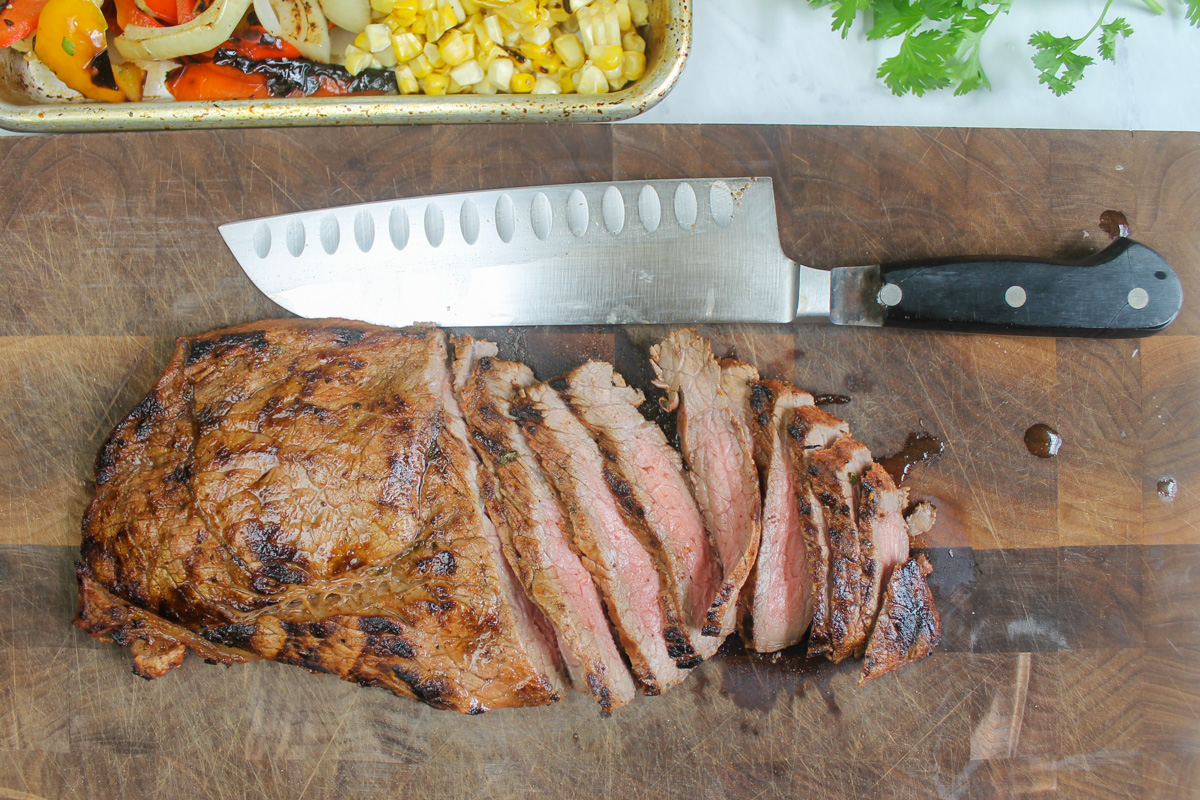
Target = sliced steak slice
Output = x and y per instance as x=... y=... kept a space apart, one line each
x=303 y=491
x=883 y=536
x=717 y=449
x=625 y=573
x=532 y=525
x=777 y=604
x=646 y=474
x=909 y=626
x=737 y=381
x=810 y=430
x=835 y=473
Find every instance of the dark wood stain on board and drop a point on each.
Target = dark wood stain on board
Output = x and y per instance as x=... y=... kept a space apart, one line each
x=1070 y=661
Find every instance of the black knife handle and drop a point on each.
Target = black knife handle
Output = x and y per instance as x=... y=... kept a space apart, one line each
x=1125 y=290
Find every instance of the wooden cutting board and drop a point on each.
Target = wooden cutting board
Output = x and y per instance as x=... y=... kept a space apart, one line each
x=1069 y=665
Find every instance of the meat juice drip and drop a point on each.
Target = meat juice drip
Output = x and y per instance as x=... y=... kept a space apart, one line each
x=918 y=448
x=1042 y=441
x=1114 y=223
x=831 y=399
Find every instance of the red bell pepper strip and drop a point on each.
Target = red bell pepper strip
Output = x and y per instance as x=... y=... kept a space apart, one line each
x=129 y=14
x=19 y=19
x=255 y=43
x=207 y=81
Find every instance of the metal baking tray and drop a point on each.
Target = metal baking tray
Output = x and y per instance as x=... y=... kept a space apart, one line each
x=668 y=40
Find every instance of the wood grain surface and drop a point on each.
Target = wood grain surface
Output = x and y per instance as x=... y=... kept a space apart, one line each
x=1070 y=665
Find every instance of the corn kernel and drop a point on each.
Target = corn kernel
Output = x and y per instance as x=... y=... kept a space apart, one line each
x=522 y=83
x=406 y=81
x=468 y=73
x=567 y=81
x=633 y=65
x=470 y=6
x=434 y=55
x=606 y=58
x=406 y=46
x=453 y=48
x=356 y=60
x=500 y=73
x=546 y=85
x=377 y=36
x=592 y=80
x=639 y=12
x=383 y=6
x=420 y=66
x=569 y=50
x=534 y=52
x=435 y=84
x=631 y=41
x=491 y=23
x=448 y=18
x=624 y=18
x=418 y=26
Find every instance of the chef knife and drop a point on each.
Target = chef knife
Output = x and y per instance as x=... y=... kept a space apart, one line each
x=664 y=251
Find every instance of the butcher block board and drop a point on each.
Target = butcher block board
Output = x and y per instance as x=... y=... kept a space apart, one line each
x=1069 y=663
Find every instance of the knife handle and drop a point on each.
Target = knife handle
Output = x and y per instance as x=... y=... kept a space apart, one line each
x=1125 y=290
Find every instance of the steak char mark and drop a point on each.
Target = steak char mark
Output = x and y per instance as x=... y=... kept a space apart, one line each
x=533 y=525
x=285 y=481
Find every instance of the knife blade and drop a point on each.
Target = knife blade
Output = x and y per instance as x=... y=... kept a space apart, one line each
x=662 y=251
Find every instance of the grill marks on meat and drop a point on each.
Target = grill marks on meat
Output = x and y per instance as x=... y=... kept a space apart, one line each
x=834 y=474
x=303 y=492
x=809 y=431
x=718 y=452
x=778 y=599
x=646 y=474
x=532 y=524
x=625 y=573
x=883 y=535
x=326 y=494
x=908 y=627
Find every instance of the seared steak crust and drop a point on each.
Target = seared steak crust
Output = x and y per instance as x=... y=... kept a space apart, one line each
x=810 y=430
x=908 y=627
x=302 y=491
x=533 y=525
x=647 y=476
x=835 y=474
x=883 y=536
x=717 y=449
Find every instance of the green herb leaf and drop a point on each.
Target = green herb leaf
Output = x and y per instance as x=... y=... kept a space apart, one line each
x=1058 y=65
x=1192 y=11
x=921 y=64
x=507 y=457
x=68 y=46
x=1108 y=37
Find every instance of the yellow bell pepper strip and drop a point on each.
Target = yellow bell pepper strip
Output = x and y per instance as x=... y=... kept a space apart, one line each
x=18 y=19
x=70 y=34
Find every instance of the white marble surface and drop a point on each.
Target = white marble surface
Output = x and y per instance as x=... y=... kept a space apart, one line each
x=777 y=61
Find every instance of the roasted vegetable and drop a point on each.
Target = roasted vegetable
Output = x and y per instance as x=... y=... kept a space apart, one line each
x=70 y=35
x=18 y=19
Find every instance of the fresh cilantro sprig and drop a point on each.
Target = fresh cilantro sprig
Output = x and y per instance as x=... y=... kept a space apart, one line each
x=941 y=40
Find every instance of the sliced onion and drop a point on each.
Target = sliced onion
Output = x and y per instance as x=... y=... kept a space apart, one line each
x=353 y=15
x=298 y=22
x=208 y=30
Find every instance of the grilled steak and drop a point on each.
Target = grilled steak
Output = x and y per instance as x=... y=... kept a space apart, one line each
x=908 y=627
x=778 y=598
x=647 y=476
x=809 y=430
x=304 y=492
x=717 y=449
x=533 y=526
x=883 y=536
x=632 y=588
x=835 y=472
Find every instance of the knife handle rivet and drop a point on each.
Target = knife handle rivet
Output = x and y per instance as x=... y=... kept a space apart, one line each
x=1015 y=296
x=891 y=294
x=1138 y=298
